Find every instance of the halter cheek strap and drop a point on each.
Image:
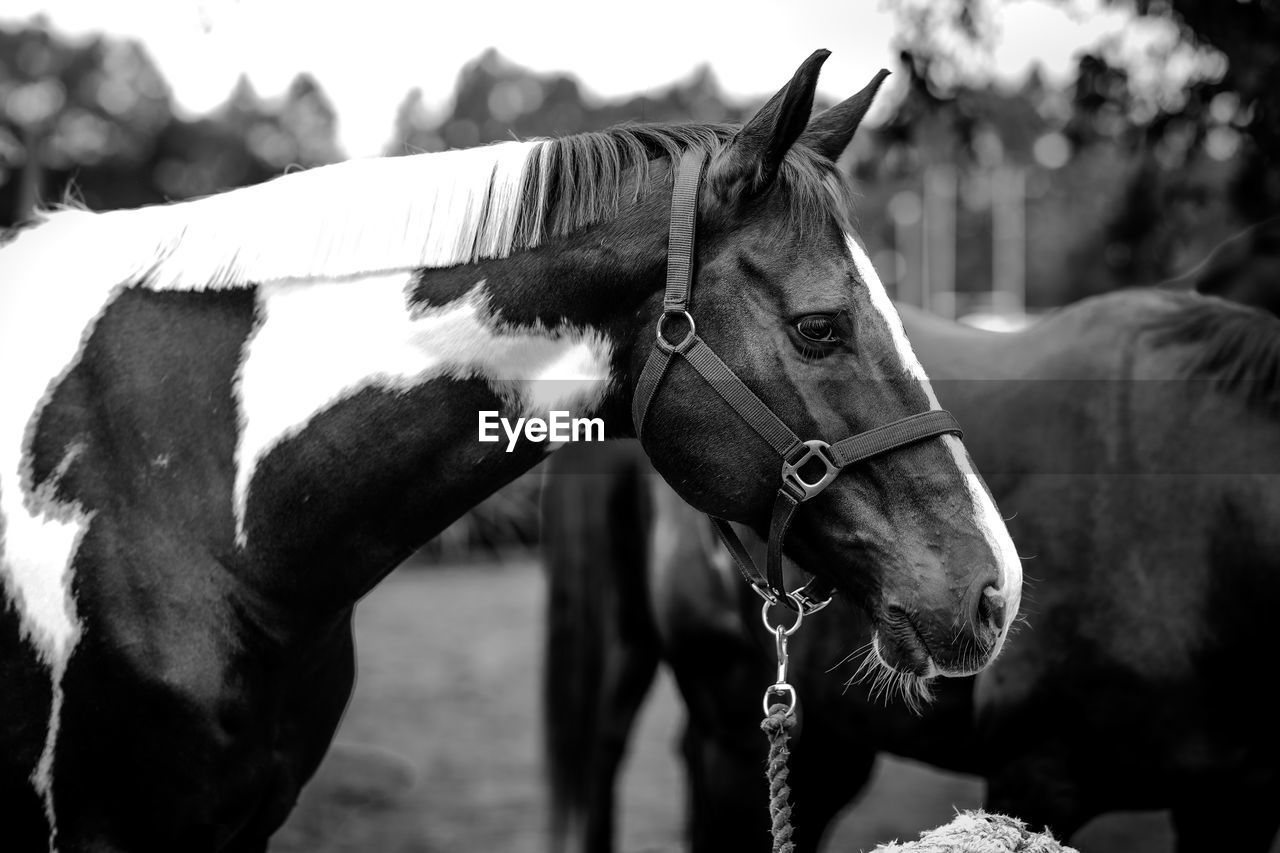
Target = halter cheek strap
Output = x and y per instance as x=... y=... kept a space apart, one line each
x=795 y=453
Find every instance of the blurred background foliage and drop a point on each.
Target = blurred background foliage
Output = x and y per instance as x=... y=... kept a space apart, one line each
x=1128 y=175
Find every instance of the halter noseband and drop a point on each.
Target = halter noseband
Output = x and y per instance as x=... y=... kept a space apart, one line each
x=795 y=453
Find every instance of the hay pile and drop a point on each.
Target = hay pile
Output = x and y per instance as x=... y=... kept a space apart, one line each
x=980 y=832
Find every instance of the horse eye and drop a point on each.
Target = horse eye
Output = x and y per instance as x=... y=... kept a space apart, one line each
x=819 y=328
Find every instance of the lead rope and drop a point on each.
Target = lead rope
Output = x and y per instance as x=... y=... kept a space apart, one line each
x=779 y=718
x=778 y=727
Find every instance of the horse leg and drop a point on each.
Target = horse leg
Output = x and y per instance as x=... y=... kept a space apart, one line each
x=1239 y=817
x=310 y=720
x=25 y=826
x=825 y=777
x=191 y=771
x=602 y=650
x=728 y=793
x=24 y=718
x=719 y=673
x=258 y=843
x=627 y=679
x=1040 y=790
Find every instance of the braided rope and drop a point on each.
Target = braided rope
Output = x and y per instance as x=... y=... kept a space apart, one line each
x=778 y=727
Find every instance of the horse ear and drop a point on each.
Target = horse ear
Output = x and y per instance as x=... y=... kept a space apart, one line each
x=751 y=161
x=830 y=133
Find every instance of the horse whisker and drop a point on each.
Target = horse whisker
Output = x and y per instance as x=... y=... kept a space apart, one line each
x=859 y=650
x=885 y=683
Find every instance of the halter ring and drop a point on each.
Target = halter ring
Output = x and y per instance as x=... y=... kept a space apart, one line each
x=795 y=626
x=683 y=345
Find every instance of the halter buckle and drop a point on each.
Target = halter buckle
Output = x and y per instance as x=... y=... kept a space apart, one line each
x=801 y=489
x=799 y=601
x=761 y=589
x=806 y=601
x=683 y=345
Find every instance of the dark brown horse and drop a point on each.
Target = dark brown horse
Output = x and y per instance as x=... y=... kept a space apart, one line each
x=1135 y=441
x=1245 y=268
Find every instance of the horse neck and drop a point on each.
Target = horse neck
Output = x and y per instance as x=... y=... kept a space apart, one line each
x=1064 y=377
x=387 y=452
x=990 y=382
x=949 y=350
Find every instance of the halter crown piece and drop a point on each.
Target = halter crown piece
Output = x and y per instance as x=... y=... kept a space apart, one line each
x=796 y=454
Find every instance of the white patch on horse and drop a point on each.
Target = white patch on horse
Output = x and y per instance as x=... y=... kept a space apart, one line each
x=319 y=342
x=49 y=310
x=42 y=779
x=52 y=298
x=986 y=517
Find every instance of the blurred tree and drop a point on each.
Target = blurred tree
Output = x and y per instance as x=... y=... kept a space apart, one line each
x=496 y=99
x=1247 y=97
x=1181 y=146
x=93 y=121
x=415 y=129
x=300 y=131
x=65 y=106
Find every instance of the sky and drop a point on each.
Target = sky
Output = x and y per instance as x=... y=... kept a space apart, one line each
x=368 y=54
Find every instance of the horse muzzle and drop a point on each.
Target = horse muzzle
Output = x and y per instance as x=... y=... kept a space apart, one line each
x=925 y=646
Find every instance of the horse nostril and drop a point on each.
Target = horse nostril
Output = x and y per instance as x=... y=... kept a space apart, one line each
x=991 y=608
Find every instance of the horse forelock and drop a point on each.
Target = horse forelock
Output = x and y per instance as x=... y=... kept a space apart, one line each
x=1236 y=346
x=588 y=177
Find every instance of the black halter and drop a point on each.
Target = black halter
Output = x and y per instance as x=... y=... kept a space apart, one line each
x=795 y=453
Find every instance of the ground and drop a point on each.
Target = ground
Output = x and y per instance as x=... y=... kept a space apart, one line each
x=440 y=751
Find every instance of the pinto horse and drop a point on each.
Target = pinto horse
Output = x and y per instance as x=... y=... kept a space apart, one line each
x=225 y=420
x=1135 y=437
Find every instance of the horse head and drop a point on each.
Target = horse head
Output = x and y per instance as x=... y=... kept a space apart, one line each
x=784 y=294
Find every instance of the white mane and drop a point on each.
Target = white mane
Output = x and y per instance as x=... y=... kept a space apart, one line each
x=350 y=219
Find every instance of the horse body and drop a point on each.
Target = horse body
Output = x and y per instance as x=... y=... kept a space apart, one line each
x=1157 y=560
x=1142 y=500
x=178 y=614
